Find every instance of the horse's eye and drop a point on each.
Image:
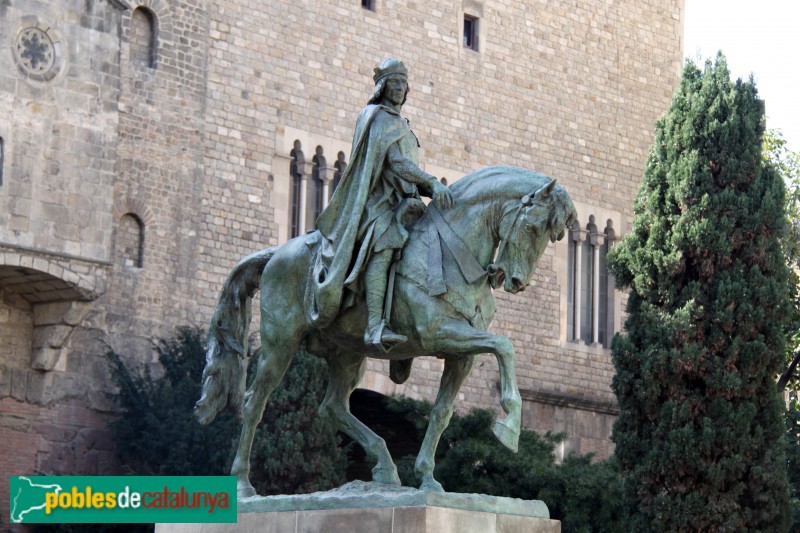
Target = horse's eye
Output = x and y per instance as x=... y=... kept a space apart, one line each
x=528 y=226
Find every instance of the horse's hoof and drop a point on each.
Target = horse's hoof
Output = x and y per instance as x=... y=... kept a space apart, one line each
x=387 y=476
x=507 y=435
x=245 y=490
x=431 y=485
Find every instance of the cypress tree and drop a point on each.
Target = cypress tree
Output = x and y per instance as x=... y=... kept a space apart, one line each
x=700 y=438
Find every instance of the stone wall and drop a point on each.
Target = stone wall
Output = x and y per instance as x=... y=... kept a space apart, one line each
x=150 y=151
x=569 y=90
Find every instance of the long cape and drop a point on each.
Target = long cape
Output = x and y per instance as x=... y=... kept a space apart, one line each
x=338 y=263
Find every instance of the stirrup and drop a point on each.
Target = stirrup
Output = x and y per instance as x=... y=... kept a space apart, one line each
x=383 y=337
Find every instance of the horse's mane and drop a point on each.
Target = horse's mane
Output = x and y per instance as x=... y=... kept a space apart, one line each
x=500 y=181
x=489 y=180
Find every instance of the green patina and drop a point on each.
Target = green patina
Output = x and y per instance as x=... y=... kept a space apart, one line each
x=326 y=291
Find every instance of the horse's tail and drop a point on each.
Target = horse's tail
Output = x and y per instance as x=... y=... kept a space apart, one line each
x=227 y=353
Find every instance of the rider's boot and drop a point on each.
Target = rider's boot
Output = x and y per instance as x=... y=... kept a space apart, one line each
x=375 y=277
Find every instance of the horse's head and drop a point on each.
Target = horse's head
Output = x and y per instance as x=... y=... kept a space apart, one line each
x=527 y=225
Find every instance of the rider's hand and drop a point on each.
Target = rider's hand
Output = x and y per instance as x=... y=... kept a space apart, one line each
x=442 y=195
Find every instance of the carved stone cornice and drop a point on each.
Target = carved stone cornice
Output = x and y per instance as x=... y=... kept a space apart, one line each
x=563 y=399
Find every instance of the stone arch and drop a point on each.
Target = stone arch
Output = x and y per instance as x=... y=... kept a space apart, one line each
x=162 y=24
x=143 y=37
x=135 y=206
x=160 y=8
x=129 y=242
x=38 y=279
x=57 y=290
x=134 y=219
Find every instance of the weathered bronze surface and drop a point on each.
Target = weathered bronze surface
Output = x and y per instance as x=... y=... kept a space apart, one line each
x=486 y=231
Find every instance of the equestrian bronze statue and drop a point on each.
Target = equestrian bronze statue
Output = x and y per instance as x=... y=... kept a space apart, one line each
x=487 y=230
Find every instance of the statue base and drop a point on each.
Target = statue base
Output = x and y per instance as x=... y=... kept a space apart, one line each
x=360 y=507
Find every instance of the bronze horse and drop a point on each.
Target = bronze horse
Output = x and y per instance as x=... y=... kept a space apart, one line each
x=501 y=223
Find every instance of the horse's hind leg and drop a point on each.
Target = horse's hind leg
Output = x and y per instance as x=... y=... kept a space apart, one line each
x=277 y=352
x=346 y=370
x=456 y=369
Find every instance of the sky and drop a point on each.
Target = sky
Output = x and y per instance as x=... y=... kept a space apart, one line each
x=761 y=37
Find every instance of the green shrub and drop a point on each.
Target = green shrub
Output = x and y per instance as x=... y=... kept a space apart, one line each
x=157 y=433
x=584 y=495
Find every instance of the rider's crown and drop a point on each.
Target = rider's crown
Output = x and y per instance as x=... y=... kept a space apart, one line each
x=389 y=67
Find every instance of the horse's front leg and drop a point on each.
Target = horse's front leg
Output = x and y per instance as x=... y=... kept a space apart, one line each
x=457 y=337
x=456 y=369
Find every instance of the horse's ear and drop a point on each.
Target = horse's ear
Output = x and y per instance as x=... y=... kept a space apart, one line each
x=545 y=191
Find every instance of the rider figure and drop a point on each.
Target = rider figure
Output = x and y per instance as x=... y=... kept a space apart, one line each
x=377 y=197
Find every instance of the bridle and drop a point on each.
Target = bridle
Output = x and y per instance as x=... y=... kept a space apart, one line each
x=525 y=202
x=468 y=263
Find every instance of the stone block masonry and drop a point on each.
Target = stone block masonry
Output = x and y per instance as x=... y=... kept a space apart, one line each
x=183 y=146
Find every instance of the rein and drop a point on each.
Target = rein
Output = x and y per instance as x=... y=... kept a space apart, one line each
x=525 y=201
x=466 y=260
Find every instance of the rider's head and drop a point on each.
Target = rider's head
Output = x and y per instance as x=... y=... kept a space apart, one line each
x=388 y=69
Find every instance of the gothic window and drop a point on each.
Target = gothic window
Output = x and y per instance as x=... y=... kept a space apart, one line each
x=339 y=167
x=606 y=288
x=310 y=187
x=296 y=191
x=318 y=179
x=2 y=158
x=143 y=37
x=585 y=301
x=590 y=288
x=130 y=241
x=573 y=242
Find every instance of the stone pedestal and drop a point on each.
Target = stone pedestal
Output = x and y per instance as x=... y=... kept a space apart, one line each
x=360 y=507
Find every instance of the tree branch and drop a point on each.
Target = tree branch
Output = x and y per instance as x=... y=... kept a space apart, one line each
x=786 y=376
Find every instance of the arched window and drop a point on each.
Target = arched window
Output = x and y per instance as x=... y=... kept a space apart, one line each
x=573 y=274
x=587 y=284
x=317 y=178
x=294 y=172
x=590 y=287
x=143 y=37
x=606 y=288
x=339 y=165
x=130 y=241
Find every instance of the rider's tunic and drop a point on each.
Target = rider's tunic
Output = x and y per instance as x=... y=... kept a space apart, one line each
x=360 y=218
